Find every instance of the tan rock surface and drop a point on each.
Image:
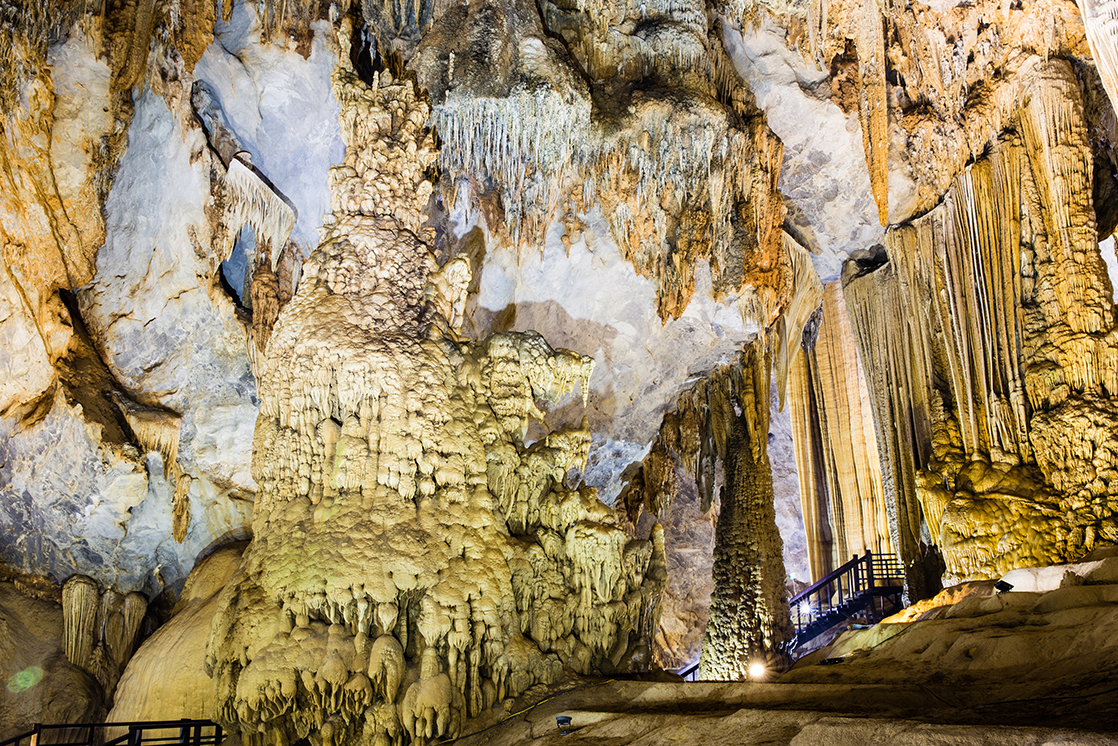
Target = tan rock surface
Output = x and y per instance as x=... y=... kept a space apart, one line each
x=413 y=562
x=39 y=684
x=167 y=678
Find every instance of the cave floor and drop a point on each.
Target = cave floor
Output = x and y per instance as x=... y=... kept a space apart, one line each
x=614 y=712
x=970 y=667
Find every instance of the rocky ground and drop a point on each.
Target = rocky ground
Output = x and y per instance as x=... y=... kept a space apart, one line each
x=973 y=667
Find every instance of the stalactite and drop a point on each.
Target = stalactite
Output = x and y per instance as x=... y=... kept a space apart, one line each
x=155 y=429
x=897 y=359
x=873 y=103
x=836 y=449
x=681 y=173
x=249 y=201
x=807 y=295
x=80 y=598
x=1100 y=20
x=1002 y=392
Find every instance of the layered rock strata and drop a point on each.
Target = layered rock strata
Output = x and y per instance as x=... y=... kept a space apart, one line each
x=413 y=562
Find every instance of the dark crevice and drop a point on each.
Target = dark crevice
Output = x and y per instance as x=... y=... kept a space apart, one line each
x=88 y=380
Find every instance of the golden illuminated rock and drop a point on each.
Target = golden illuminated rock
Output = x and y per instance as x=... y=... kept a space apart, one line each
x=413 y=562
x=1000 y=399
x=836 y=449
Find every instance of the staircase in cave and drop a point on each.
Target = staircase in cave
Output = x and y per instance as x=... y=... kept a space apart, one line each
x=867 y=587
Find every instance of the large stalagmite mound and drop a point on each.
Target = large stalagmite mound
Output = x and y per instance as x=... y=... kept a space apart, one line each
x=413 y=561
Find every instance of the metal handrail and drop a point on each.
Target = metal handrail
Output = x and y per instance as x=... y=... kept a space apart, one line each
x=190 y=733
x=849 y=584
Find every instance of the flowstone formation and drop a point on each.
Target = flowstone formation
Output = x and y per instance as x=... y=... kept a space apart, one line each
x=1002 y=399
x=844 y=507
x=413 y=561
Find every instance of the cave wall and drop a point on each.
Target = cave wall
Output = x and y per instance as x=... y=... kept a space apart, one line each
x=654 y=186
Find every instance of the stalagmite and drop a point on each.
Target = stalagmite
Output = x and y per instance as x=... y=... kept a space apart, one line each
x=722 y=422
x=749 y=619
x=412 y=562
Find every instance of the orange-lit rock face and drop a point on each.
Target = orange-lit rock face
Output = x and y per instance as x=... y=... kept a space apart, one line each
x=1010 y=374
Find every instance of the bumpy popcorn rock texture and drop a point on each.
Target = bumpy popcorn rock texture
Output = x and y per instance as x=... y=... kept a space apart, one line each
x=719 y=430
x=413 y=562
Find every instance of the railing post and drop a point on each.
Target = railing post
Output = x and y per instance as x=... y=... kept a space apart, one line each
x=217 y=735
x=35 y=734
x=134 y=735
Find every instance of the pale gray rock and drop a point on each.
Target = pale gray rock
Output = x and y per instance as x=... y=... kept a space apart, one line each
x=166 y=329
x=590 y=299
x=281 y=109
x=824 y=174
x=72 y=504
x=155 y=309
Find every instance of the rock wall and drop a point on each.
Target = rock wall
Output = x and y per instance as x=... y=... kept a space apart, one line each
x=836 y=447
x=40 y=684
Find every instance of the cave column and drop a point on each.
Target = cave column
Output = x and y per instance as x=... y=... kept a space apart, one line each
x=749 y=618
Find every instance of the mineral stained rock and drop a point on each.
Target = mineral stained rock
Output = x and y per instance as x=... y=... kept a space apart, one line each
x=413 y=561
x=993 y=411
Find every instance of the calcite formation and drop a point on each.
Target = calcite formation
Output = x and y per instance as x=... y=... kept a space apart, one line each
x=100 y=628
x=836 y=448
x=719 y=432
x=1000 y=405
x=413 y=561
x=660 y=139
x=749 y=619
